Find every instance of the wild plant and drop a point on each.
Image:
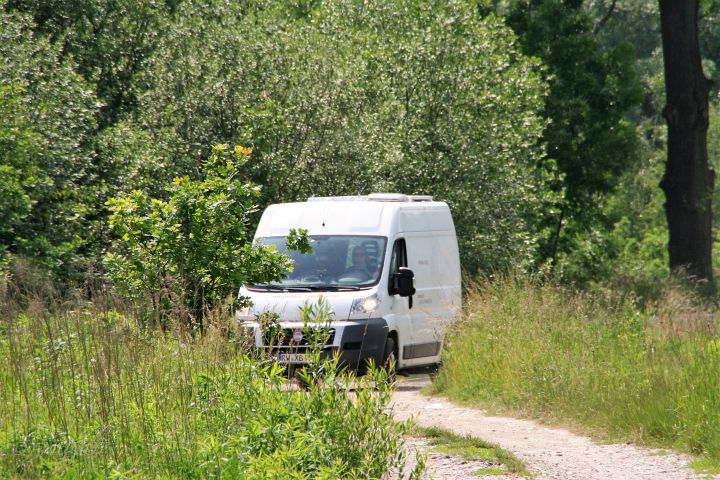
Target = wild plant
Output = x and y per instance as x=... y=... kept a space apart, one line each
x=95 y=394
x=600 y=360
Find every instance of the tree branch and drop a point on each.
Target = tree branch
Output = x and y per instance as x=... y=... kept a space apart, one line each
x=604 y=20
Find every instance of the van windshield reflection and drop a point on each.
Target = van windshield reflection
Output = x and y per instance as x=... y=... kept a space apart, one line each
x=336 y=263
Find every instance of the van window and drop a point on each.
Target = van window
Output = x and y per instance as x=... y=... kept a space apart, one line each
x=398 y=259
x=337 y=262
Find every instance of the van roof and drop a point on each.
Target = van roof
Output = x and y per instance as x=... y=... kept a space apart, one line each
x=375 y=197
x=374 y=214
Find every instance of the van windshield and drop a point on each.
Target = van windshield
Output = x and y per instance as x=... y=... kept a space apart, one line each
x=337 y=262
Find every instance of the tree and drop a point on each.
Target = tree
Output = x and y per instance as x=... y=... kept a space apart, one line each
x=592 y=89
x=193 y=248
x=355 y=96
x=109 y=41
x=18 y=143
x=688 y=181
x=46 y=126
x=336 y=97
x=99 y=46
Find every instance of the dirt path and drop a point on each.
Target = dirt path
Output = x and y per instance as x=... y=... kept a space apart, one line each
x=549 y=453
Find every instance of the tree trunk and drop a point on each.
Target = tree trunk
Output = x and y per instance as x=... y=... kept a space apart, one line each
x=688 y=181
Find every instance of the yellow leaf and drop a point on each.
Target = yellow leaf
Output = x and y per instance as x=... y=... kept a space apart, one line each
x=241 y=151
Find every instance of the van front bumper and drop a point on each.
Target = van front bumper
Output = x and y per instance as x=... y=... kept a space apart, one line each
x=362 y=341
x=356 y=342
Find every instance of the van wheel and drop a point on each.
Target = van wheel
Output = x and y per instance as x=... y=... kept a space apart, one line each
x=390 y=357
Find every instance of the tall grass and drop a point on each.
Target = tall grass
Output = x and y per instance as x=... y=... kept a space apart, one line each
x=648 y=374
x=90 y=394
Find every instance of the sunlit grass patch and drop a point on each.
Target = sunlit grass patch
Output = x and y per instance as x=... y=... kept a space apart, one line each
x=706 y=466
x=490 y=471
x=658 y=453
x=472 y=449
x=602 y=361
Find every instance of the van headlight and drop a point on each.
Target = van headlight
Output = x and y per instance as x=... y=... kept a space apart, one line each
x=364 y=306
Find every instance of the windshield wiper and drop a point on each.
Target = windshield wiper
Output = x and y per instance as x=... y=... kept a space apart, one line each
x=336 y=288
x=308 y=288
x=267 y=287
x=281 y=288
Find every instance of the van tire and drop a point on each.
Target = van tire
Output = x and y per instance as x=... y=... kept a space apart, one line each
x=390 y=357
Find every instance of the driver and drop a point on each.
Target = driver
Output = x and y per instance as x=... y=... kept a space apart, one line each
x=358 y=268
x=323 y=262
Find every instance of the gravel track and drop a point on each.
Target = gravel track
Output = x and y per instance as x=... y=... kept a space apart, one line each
x=549 y=453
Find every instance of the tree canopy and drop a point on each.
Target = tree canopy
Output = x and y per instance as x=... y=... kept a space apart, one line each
x=336 y=97
x=531 y=118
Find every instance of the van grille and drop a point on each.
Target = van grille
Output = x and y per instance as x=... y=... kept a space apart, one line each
x=285 y=338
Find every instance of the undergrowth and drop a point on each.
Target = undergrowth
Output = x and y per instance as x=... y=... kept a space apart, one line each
x=92 y=394
x=647 y=373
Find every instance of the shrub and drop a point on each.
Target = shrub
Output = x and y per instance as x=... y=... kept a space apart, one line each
x=193 y=248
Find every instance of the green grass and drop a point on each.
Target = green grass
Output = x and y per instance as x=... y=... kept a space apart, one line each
x=491 y=471
x=600 y=362
x=706 y=466
x=86 y=394
x=472 y=449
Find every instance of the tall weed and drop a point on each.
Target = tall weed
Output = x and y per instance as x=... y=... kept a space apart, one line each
x=92 y=394
x=649 y=374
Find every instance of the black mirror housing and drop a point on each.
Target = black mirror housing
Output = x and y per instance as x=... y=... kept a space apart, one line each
x=404 y=282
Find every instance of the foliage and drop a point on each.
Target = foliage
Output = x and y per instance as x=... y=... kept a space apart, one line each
x=350 y=97
x=195 y=247
x=632 y=21
x=15 y=141
x=597 y=360
x=631 y=242
x=88 y=394
x=470 y=131
x=630 y=249
x=336 y=97
x=46 y=122
x=592 y=89
x=99 y=98
x=99 y=47
x=109 y=40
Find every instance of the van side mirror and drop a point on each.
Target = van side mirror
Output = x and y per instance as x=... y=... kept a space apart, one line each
x=404 y=280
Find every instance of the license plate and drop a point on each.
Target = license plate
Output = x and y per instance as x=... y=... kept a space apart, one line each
x=291 y=358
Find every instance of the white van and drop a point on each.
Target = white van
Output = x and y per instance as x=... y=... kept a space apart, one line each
x=388 y=265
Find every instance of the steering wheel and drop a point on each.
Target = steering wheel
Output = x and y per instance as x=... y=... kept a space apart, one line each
x=355 y=272
x=317 y=276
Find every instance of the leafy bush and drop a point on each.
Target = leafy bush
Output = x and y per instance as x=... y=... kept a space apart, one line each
x=195 y=247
